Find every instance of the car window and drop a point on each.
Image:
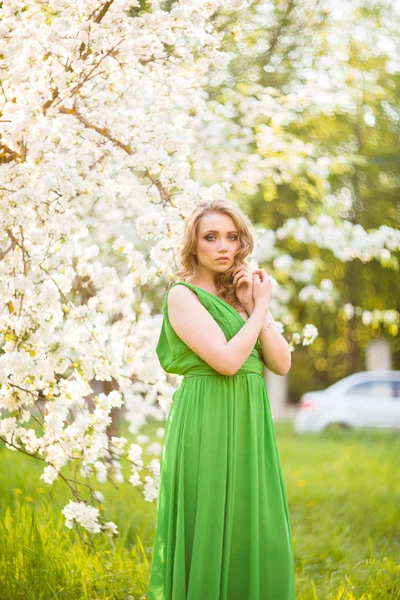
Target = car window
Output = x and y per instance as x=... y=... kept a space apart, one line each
x=373 y=388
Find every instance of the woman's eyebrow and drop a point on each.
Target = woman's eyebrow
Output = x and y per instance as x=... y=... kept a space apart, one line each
x=216 y=231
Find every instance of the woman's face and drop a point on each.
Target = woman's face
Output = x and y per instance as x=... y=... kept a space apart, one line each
x=217 y=236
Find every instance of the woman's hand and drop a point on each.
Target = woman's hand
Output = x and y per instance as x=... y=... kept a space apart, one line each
x=243 y=280
x=262 y=287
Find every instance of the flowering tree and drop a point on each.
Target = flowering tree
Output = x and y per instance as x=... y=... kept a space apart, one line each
x=101 y=123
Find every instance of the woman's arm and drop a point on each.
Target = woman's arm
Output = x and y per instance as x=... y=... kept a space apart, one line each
x=276 y=351
x=197 y=328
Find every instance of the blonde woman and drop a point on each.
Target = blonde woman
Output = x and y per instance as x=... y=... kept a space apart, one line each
x=223 y=527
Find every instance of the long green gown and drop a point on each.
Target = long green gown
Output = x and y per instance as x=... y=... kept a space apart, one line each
x=223 y=527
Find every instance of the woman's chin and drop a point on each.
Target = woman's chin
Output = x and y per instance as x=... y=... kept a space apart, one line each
x=223 y=265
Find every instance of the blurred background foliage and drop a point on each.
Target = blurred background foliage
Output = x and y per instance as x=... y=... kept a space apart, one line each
x=356 y=53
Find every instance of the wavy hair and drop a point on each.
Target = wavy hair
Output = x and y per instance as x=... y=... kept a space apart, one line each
x=223 y=281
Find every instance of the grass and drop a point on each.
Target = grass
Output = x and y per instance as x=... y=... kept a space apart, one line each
x=344 y=499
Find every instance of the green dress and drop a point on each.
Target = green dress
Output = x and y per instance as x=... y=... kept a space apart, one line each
x=223 y=528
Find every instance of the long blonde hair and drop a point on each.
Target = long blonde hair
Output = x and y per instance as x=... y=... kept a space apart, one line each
x=223 y=281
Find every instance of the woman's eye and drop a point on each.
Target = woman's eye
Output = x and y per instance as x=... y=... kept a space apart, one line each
x=232 y=237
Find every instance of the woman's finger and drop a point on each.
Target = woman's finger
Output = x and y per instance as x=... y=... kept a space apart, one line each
x=241 y=270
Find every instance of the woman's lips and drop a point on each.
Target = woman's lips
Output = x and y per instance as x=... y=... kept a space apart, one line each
x=222 y=259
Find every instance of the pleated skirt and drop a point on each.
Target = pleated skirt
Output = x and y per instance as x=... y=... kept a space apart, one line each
x=223 y=526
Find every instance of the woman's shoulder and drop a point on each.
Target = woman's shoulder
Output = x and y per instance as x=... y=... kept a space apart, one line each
x=178 y=292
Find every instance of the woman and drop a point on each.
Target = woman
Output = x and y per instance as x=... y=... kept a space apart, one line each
x=223 y=528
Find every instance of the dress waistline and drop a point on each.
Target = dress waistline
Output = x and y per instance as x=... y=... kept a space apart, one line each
x=251 y=365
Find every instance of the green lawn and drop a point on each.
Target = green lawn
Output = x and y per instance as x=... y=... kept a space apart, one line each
x=344 y=498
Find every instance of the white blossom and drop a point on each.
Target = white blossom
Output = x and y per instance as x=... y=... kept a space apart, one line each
x=81 y=513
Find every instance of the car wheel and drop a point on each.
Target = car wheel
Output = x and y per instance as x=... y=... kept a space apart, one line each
x=337 y=426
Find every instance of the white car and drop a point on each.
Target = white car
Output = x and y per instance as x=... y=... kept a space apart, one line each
x=366 y=399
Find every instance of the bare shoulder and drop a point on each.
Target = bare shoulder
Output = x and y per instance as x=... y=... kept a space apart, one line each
x=185 y=311
x=179 y=295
